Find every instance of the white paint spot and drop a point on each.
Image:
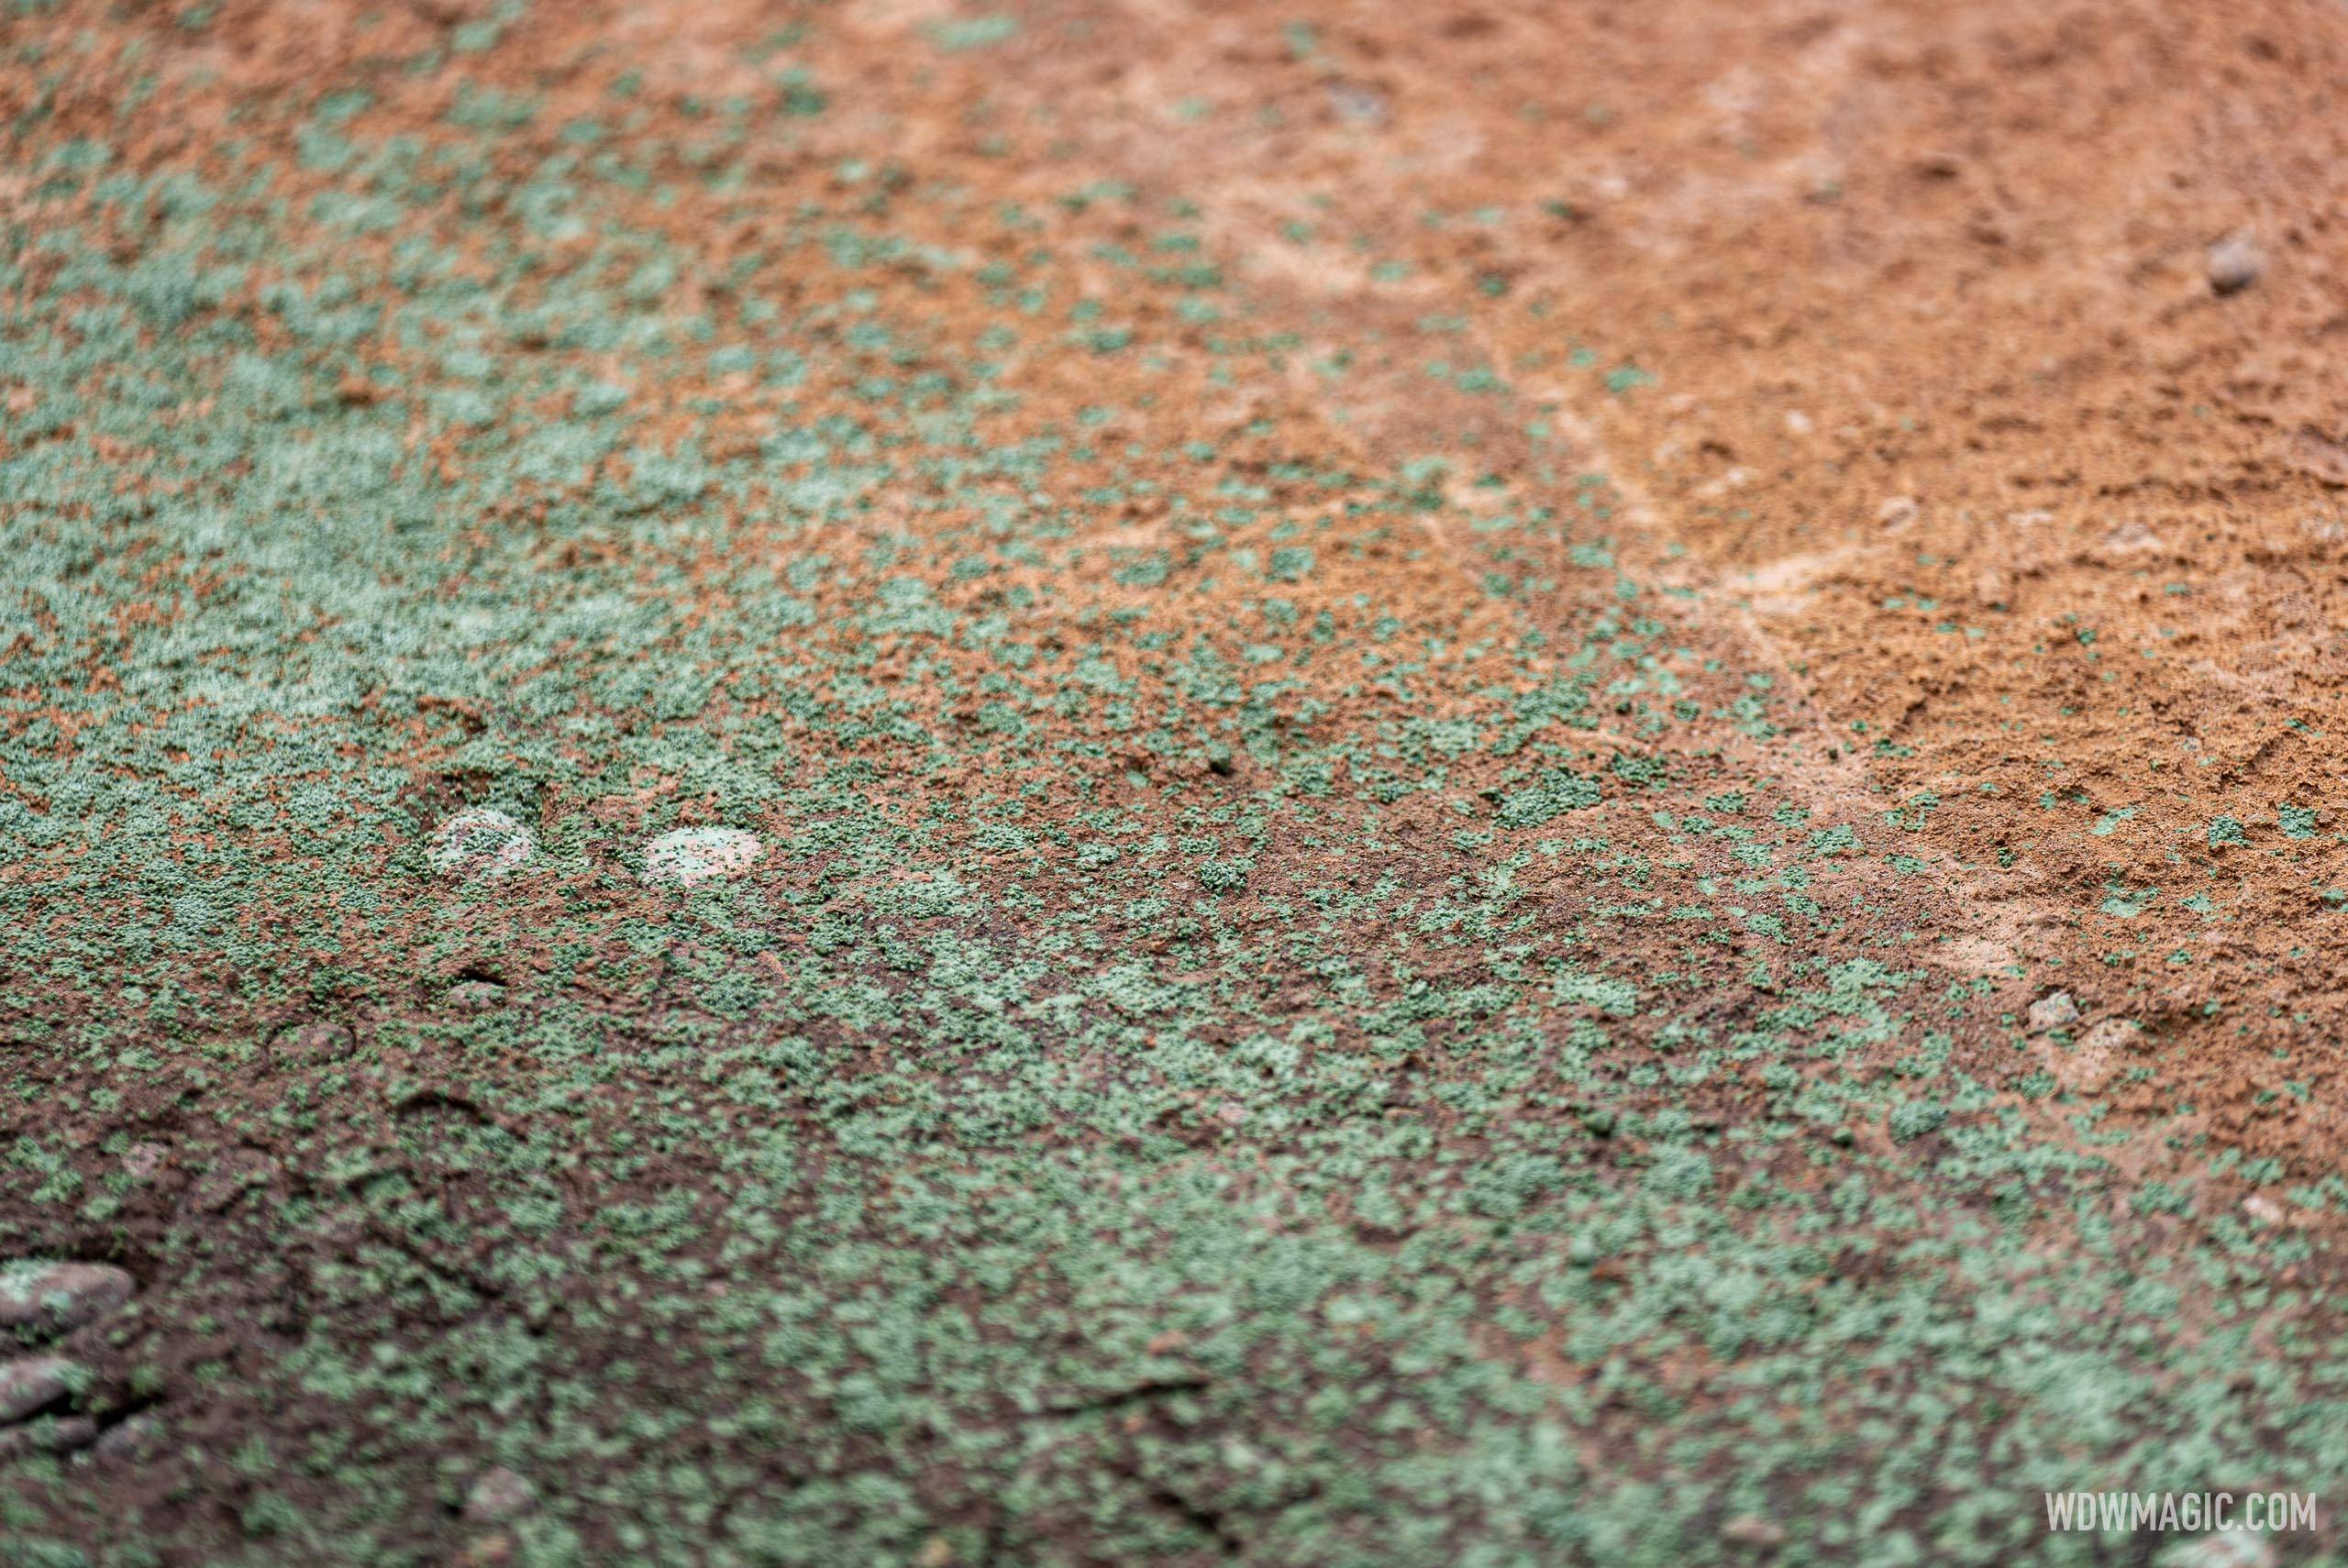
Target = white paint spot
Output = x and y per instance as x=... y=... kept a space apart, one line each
x=688 y=856
x=478 y=841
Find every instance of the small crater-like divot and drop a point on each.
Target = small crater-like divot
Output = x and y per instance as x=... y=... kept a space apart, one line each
x=693 y=855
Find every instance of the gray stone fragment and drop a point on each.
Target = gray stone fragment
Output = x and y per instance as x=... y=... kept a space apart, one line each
x=2234 y=263
x=2053 y=1011
x=58 y=1297
x=48 y=1434
x=499 y=1494
x=32 y=1382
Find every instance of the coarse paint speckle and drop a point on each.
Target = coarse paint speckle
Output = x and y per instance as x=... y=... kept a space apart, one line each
x=1397 y=921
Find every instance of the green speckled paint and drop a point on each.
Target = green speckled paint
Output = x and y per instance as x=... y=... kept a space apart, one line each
x=1291 y=1011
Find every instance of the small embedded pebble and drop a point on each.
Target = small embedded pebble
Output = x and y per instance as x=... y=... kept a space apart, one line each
x=482 y=843
x=2233 y=1548
x=1359 y=104
x=2053 y=1011
x=312 y=1044
x=60 y=1296
x=57 y=1434
x=1899 y=512
x=2234 y=263
x=498 y=1494
x=1752 y=1530
x=2112 y=1034
x=477 y=996
x=228 y=1177
x=688 y=856
x=140 y=1436
x=30 y=1382
x=2097 y=1054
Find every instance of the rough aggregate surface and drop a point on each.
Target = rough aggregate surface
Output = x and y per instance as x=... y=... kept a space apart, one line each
x=1347 y=785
